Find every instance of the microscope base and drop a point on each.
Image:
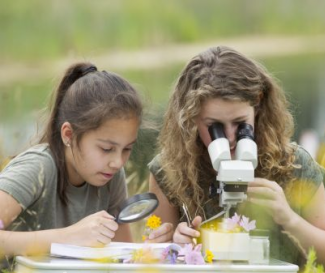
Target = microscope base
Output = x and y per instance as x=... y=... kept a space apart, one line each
x=226 y=246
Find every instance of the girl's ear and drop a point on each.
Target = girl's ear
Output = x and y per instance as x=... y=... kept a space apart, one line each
x=66 y=133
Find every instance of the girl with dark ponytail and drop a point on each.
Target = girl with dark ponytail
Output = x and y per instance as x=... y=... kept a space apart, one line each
x=68 y=187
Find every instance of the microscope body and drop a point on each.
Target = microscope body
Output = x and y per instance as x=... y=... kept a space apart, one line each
x=233 y=174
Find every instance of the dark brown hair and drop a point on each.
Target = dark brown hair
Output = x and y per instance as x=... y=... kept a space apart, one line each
x=86 y=98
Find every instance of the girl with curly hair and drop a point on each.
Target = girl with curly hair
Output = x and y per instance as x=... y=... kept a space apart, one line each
x=287 y=196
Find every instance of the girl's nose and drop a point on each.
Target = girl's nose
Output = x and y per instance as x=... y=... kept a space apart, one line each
x=230 y=132
x=116 y=162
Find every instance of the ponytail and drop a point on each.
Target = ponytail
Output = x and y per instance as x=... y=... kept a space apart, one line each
x=52 y=133
x=72 y=74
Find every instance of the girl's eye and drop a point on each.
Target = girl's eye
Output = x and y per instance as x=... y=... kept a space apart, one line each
x=107 y=150
x=128 y=149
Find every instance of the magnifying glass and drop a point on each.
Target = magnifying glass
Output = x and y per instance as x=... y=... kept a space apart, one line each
x=137 y=207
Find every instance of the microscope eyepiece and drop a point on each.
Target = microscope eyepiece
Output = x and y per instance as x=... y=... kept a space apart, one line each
x=245 y=130
x=216 y=131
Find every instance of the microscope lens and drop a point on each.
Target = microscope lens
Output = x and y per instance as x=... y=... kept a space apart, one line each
x=216 y=131
x=245 y=130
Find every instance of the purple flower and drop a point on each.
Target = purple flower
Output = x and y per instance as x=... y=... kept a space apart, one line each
x=172 y=258
x=236 y=218
x=230 y=224
x=192 y=255
x=194 y=258
x=2 y=226
x=186 y=249
x=165 y=254
x=198 y=248
x=239 y=223
x=169 y=255
x=246 y=225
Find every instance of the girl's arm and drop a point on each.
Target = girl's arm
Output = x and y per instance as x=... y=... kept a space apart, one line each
x=309 y=229
x=9 y=208
x=20 y=243
x=168 y=214
x=94 y=230
x=13 y=243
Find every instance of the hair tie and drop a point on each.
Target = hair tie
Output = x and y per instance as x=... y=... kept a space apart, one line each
x=89 y=70
x=218 y=50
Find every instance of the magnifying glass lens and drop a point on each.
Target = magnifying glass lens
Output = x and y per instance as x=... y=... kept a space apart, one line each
x=136 y=210
x=137 y=207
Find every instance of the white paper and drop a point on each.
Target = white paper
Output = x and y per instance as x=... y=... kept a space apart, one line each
x=116 y=250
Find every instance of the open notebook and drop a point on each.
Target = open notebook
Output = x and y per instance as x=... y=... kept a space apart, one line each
x=116 y=250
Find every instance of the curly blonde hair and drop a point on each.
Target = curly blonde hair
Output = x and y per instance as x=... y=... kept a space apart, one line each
x=221 y=72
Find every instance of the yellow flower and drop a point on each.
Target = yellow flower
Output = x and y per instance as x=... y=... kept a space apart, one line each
x=209 y=256
x=311 y=265
x=144 y=255
x=153 y=222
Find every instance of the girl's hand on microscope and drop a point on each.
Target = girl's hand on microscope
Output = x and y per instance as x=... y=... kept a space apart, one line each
x=184 y=234
x=270 y=195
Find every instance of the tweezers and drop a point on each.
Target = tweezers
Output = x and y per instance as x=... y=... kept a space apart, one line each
x=189 y=222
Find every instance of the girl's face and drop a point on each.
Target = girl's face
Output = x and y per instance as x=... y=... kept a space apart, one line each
x=102 y=152
x=228 y=113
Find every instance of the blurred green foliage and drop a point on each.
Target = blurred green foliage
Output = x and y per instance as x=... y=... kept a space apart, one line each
x=38 y=29
x=23 y=97
x=299 y=75
x=38 y=32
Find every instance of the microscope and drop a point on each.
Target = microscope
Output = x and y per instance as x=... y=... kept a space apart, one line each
x=233 y=174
